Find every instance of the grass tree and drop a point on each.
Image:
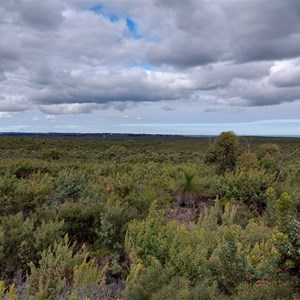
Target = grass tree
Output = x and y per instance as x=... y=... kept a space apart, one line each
x=188 y=190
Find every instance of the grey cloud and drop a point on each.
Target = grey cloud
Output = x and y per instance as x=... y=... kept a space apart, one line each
x=42 y=14
x=43 y=76
x=103 y=87
x=185 y=51
x=2 y=76
x=211 y=109
x=10 y=50
x=197 y=32
x=263 y=30
x=168 y=108
x=38 y=14
x=209 y=31
x=220 y=75
x=193 y=38
x=259 y=93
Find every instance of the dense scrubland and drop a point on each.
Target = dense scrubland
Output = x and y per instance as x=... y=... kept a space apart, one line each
x=161 y=218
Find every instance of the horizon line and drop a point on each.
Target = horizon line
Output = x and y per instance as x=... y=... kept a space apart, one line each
x=8 y=133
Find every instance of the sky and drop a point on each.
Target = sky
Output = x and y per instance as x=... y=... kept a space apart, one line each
x=195 y=67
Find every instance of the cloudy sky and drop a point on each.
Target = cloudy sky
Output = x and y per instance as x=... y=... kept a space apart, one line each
x=150 y=66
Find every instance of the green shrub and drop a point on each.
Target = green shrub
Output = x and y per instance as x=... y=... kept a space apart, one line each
x=216 y=249
x=142 y=198
x=287 y=240
x=17 y=238
x=68 y=187
x=64 y=273
x=267 y=290
x=224 y=152
x=81 y=220
x=113 y=224
x=247 y=187
x=23 y=241
x=51 y=154
x=147 y=282
x=269 y=157
x=54 y=273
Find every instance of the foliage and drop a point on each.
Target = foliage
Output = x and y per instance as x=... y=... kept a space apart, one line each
x=23 y=241
x=248 y=187
x=60 y=272
x=267 y=290
x=113 y=225
x=224 y=152
x=269 y=156
x=221 y=253
x=287 y=240
x=80 y=219
x=94 y=218
x=68 y=187
x=142 y=198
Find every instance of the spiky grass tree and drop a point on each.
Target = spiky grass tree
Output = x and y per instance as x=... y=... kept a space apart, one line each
x=188 y=190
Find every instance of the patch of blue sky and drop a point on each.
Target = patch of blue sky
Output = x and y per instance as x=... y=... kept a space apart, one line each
x=279 y=121
x=132 y=27
x=99 y=10
x=143 y=65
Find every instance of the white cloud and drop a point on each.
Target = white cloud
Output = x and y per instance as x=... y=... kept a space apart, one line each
x=5 y=115
x=286 y=73
x=72 y=108
x=50 y=117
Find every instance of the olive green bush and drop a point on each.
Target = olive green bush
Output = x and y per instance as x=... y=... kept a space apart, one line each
x=61 y=273
x=247 y=187
x=220 y=253
x=224 y=152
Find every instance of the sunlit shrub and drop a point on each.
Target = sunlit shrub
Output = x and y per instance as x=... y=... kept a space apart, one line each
x=216 y=249
x=54 y=274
